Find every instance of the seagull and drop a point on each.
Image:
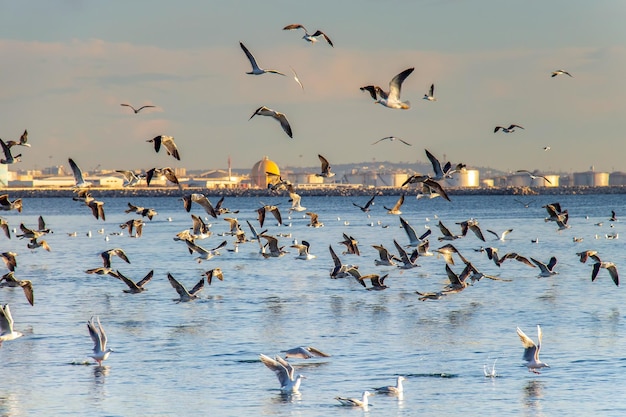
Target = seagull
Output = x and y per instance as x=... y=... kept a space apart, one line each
x=34 y=244
x=282 y=119
x=447 y=235
x=137 y=110
x=588 y=254
x=9 y=260
x=367 y=205
x=256 y=70
x=610 y=266
x=525 y=204
x=509 y=129
x=8 y=157
x=355 y=402
x=471 y=224
x=392 y=390
x=351 y=245
x=490 y=372
x=106 y=256
x=303 y=251
x=325 y=168
x=410 y=231
x=408 y=262
x=4 y=224
x=396 y=208
x=100 y=350
x=511 y=255
x=384 y=257
x=274 y=250
x=376 y=280
x=136 y=224
x=213 y=273
x=304 y=352
x=204 y=253
x=392 y=139
x=78 y=175
x=168 y=143
x=202 y=200
x=560 y=72
x=309 y=38
x=339 y=270
x=7 y=205
x=613 y=216
x=289 y=383
x=22 y=141
x=295 y=77
x=168 y=172
x=130 y=178
x=447 y=251
x=97 y=208
x=434 y=188
x=182 y=291
x=500 y=237
x=531 y=351
x=261 y=211
x=546 y=270
x=314 y=222
x=546 y=148
x=135 y=288
x=26 y=285
x=390 y=99
x=430 y=96
x=295 y=202
x=534 y=177
x=6 y=325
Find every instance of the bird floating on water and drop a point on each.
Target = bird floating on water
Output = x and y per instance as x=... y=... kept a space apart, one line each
x=289 y=383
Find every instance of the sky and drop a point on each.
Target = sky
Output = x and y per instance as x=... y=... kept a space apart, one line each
x=67 y=65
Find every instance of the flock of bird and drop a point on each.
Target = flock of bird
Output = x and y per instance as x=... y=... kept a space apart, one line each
x=409 y=252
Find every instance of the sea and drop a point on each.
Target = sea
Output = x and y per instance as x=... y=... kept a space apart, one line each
x=202 y=357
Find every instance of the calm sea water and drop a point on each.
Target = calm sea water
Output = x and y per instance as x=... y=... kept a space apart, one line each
x=201 y=358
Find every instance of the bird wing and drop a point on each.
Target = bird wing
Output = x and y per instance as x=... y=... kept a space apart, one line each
x=319 y=32
x=171 y=147
x=436 y=165
x=128 y=282
x=396 y=84
x=284 y=123
x=157 y=142
x=434 y=185
x=120 y=252
x=294 y=26
x=280 y=370
x=198 y=287
x=98 y=344
x=78 y=174
x=180 y=288
x=325 y=164
x=530 y=348
x=6 y=150
x=250 y=57
x=317 y=352
x=372 y=90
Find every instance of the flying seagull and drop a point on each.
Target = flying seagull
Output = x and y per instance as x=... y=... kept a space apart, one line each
x=531 y=351
x=307 y=37
x=8 y=157
x=134 y=109
x=295 y=77
x=78 y=175
x=182 y=291
x=392 y=139
x=509 y=129
x=99 y=337
x=390 y=99
x=168 y=143
x=533 y=176
x=6 y=325
x=305 y=352
x=325 y=168
x=282 y=119
x=560 y=72
x=256 y=70
x=430 y=96
x=284 y=371
x=22 y=141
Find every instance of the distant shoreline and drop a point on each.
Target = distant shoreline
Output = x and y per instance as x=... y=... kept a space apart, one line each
x=340 y=191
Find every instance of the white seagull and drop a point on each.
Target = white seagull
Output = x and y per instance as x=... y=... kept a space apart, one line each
x=100 y=350
x=560 y=72
x=256 y=70
x=168 y=143
x=285 y=373
x=546 y=270
x=392 y=390
x=6 y=325
x=355 y=402
x=282 y=119
x=8 y=157
x=309 y=38
x=533 y=176
x=430 y=96
x=390 y=99
x=392 y=139
x=531 y=351
x=78 y=175
x=304 y=352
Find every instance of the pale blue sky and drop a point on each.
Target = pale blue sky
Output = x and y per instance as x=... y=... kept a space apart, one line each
x=67 y=65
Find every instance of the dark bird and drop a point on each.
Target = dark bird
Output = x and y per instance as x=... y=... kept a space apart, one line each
x=367 y=205
x=22 y=141
x=136 y=110
x=135 y=288
x=509 y=129
x=8 y=156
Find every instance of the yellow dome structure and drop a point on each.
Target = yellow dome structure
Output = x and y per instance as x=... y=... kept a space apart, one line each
x=259 y=171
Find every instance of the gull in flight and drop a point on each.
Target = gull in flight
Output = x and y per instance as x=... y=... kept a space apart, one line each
x=182 y=291
x=500 y=237
x=609 y=266
x=533 y=176
x=325 y=172
x=8 y=157
x=355 y=402
x=7 y=205
x=430 y=96
x=282 y=119
x=26 y=285
x=546 y=270
x=309 y=38
x=137 y=110
x=446 y=171
x=304 y=352
x=204 y=253
x=6 y=325
x=390 y=99
x=22 y=142
x=303 y=251
x=410 y=231
x=256 y=70
x=396 y=208
x=78 y=175
x=99 y=337
x=285 y=373
x=509 y=129
x=531 y=351
x=339 y=270
x=560 y=72
x=106 y=256
x=392 y=139
x=392 y=390
x=130 y=178
x=295 y=77
x=135 y=288
x=367 y=205
x=168 y=143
